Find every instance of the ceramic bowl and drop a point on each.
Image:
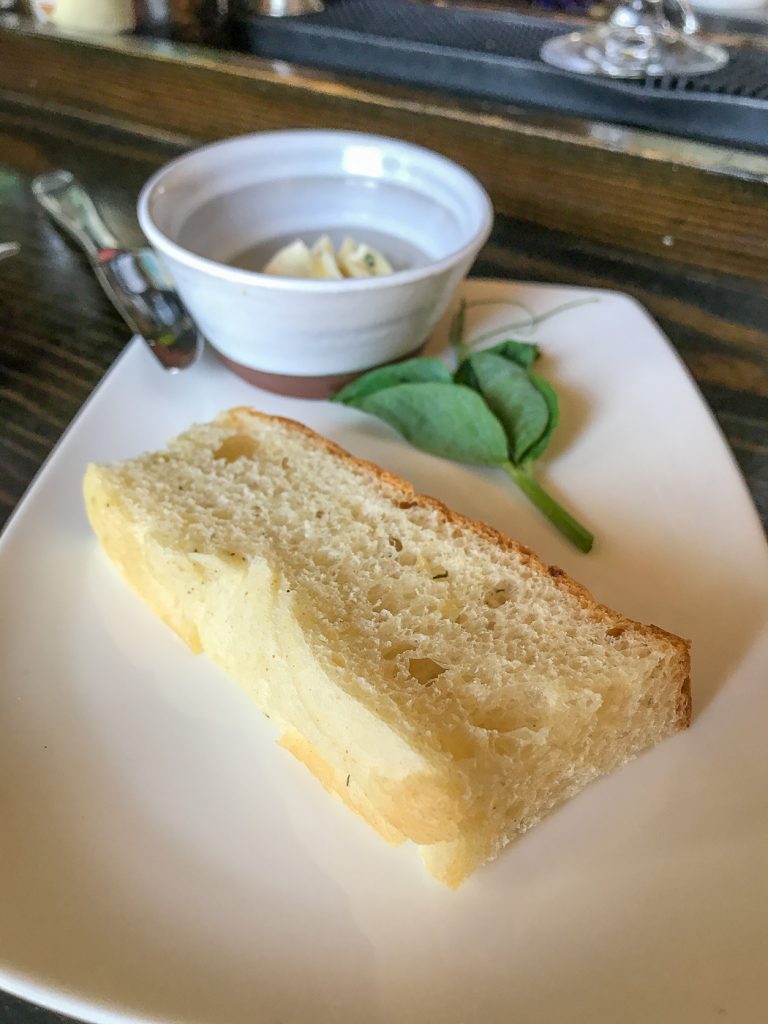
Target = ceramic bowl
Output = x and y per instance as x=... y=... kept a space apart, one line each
x=219 y=213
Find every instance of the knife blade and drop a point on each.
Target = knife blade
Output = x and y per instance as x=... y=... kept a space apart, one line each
x=135 y=280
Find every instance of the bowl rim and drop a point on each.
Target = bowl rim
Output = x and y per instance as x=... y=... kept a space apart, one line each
x=237 y=275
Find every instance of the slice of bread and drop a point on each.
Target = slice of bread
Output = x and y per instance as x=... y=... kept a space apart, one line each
x=433 y=674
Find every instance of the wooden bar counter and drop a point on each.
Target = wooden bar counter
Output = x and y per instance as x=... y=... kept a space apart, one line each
x=681 y=226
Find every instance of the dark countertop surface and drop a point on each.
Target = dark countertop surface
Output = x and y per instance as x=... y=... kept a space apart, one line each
x=58 y=333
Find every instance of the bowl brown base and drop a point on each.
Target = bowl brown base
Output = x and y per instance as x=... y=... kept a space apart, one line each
x=303 y=387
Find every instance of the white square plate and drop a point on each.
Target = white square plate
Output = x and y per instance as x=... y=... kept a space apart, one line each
x=162 y=859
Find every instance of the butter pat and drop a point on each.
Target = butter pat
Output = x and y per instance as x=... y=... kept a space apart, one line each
x=353 y=260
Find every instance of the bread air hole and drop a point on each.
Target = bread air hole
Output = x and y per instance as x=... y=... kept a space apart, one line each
x=393 y=650
x=236 y=446
x=502 y=719
x=497 y=597
x=425 y=670
x=382 y=599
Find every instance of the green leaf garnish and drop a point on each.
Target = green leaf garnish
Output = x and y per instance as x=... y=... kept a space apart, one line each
x=494 y=411
x=456 y=330
x=444 y=419
x=571 y=528
x=512 y=397
x=531 y=321
x=409 y=371
x=553 y=406
x=521 y=352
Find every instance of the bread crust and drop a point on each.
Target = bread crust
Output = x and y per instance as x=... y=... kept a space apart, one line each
x=558 y=576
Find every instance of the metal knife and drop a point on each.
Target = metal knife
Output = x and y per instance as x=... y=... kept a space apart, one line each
x=134 y=279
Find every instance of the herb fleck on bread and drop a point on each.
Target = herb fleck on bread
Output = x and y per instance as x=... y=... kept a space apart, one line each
x=435 y=675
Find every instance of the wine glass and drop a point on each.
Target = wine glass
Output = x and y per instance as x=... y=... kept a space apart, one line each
x=638 y=40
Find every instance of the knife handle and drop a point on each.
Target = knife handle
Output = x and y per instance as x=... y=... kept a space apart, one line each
x=65 y=199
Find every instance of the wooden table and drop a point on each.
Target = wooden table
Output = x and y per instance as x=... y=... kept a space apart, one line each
x=680 y=226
